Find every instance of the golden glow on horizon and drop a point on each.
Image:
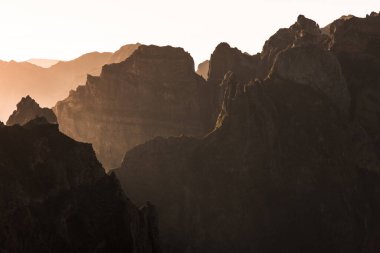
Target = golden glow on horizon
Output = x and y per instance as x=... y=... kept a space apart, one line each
x=66 y=29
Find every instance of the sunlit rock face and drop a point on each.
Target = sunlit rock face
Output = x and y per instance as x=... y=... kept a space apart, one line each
x=203 y=68
x=155 y=92
x=27 y=110
x=56 y=197
x=293 y=162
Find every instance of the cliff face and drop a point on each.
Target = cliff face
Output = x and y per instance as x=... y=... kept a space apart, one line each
x=222 y=60
x=293 y=164
x=55 y=197
x=27 y=110
x=155 y=92
x=355 y=42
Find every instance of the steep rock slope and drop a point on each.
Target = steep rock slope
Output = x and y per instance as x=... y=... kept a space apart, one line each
x=285 y=169
x=55 y=197
x=155 y=92
x=27 y=110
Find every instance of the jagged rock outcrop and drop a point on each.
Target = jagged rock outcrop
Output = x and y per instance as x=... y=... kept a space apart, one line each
x=27 y=110
x=56 y=197
x=285 y=169
x=203 y=69
x=155 y=92
x=302 y=33
x=225 y=59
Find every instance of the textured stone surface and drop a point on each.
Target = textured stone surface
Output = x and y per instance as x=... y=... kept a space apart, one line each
x=55 y=197
x=155 y=92
x=27 y=110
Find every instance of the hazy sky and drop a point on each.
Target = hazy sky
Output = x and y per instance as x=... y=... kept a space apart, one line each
x=66 y=29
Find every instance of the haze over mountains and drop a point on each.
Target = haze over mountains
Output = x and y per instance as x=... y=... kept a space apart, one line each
x=49 y=85
x=273 y=152
x=44 y=63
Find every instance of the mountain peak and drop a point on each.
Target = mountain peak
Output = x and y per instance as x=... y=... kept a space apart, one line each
x=28 y=109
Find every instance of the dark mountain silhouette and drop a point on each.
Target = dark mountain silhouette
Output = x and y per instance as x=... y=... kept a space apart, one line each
x=275 y=152
x=27 y=110
x=293 y=162
x=155 y=92
x=56 y=197
x=49 y=85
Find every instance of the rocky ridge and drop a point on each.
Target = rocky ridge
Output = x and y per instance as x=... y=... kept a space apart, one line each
x=27 y=110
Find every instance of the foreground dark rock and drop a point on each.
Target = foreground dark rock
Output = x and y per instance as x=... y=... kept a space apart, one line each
x=27 y=110
x=155 y=92
x=293 y=164
x=55 y=197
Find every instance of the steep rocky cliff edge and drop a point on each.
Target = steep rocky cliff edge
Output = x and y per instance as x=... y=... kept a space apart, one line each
x=56 y=197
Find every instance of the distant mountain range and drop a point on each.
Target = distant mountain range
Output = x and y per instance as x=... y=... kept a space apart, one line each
x=44 y=63
x=49 y=85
